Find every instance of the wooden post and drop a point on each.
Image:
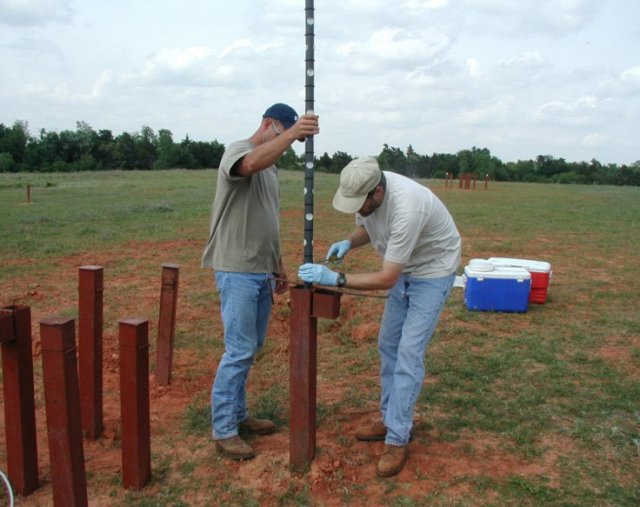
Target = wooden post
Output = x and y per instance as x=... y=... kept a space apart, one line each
x=167 y=322
x=302 y=380
x=28 y=194
x=62 y=400
x=486 y=181
x=134 y=403
x=19 y=405
x=90 y=324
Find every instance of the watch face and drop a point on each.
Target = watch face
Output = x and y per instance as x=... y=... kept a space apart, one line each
x=341 y=280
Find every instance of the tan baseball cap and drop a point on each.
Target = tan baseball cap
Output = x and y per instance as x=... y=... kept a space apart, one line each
x=357 y=179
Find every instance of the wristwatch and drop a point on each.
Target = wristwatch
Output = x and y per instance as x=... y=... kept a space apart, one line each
x=342 y=280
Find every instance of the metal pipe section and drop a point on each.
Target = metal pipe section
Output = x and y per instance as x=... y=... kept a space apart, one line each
x=308 y=152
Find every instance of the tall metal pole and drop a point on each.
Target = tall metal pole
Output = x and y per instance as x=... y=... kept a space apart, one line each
x=308 y=153
x=304 y=326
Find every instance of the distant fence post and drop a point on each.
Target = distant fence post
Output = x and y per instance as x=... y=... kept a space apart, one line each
x=167 y=322
x=19 y=404
x=90 y=323
x=62 y=400
x=486 y=181
x=28 y=194
x=134 y=402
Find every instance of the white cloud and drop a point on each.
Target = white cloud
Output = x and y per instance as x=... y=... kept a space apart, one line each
x=473 y=67
x=594 y=141
x=490 y=113
x=34 y=12
x=577 y=113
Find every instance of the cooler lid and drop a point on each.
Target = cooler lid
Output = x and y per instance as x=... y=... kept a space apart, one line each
x=530 y=265
x=510 y=273
x=481 y=265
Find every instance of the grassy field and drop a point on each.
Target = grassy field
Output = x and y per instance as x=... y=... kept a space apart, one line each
x=540 y=408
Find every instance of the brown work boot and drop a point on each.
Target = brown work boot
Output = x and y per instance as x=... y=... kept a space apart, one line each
x=257 y=426
x=392 y=460
x=371 y=432
x=235 y=448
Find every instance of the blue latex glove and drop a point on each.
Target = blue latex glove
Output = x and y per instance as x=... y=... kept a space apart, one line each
x=317 y=273
x=339 y=249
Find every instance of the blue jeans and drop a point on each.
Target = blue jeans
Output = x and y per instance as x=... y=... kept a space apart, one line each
x=410 y=317
x=245 y=302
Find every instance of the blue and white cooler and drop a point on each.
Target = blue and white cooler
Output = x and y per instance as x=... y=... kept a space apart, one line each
x=498 y=289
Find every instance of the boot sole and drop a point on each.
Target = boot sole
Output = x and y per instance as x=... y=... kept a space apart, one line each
x=393 y=471
x=234 y=456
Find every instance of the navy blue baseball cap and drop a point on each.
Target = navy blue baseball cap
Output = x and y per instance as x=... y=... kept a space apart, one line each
x=283 y=113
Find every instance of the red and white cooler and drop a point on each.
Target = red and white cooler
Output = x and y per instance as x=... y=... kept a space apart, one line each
x=540 y=275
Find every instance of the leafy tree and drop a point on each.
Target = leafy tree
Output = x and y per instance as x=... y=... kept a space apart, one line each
x=323 y=164
x=7 y=164
x=145 y=142
x=443 y=164
x=206 y=155
x=392 y=159
x=339 y=160
x=126 y=150
x=289 y=160
x=86 y=149
x=14 y=140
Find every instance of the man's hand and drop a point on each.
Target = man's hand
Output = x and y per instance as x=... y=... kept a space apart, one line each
x=307 y=125
x=282 y=282
x=339 y=249
x=317 y=273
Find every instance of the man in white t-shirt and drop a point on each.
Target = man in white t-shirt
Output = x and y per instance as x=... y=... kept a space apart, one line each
x=244 y=250
x=420 y=246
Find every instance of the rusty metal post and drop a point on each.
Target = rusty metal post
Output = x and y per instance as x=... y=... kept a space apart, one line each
x=167 y=322
x=302 y=379
x=460 y=180
x=62 y=400
x=90 y=320
x=134 y=402
x=19 y=405
x=474 y=177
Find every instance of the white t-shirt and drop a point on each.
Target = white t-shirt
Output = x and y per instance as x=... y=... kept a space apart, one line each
x=413 y=227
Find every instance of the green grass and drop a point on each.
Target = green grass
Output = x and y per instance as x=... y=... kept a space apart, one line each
x=557 y=387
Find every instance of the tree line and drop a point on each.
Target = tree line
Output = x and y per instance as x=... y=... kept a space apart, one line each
x=86 y=149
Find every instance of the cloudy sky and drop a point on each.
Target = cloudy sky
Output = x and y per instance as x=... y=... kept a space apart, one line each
x=521 y=78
